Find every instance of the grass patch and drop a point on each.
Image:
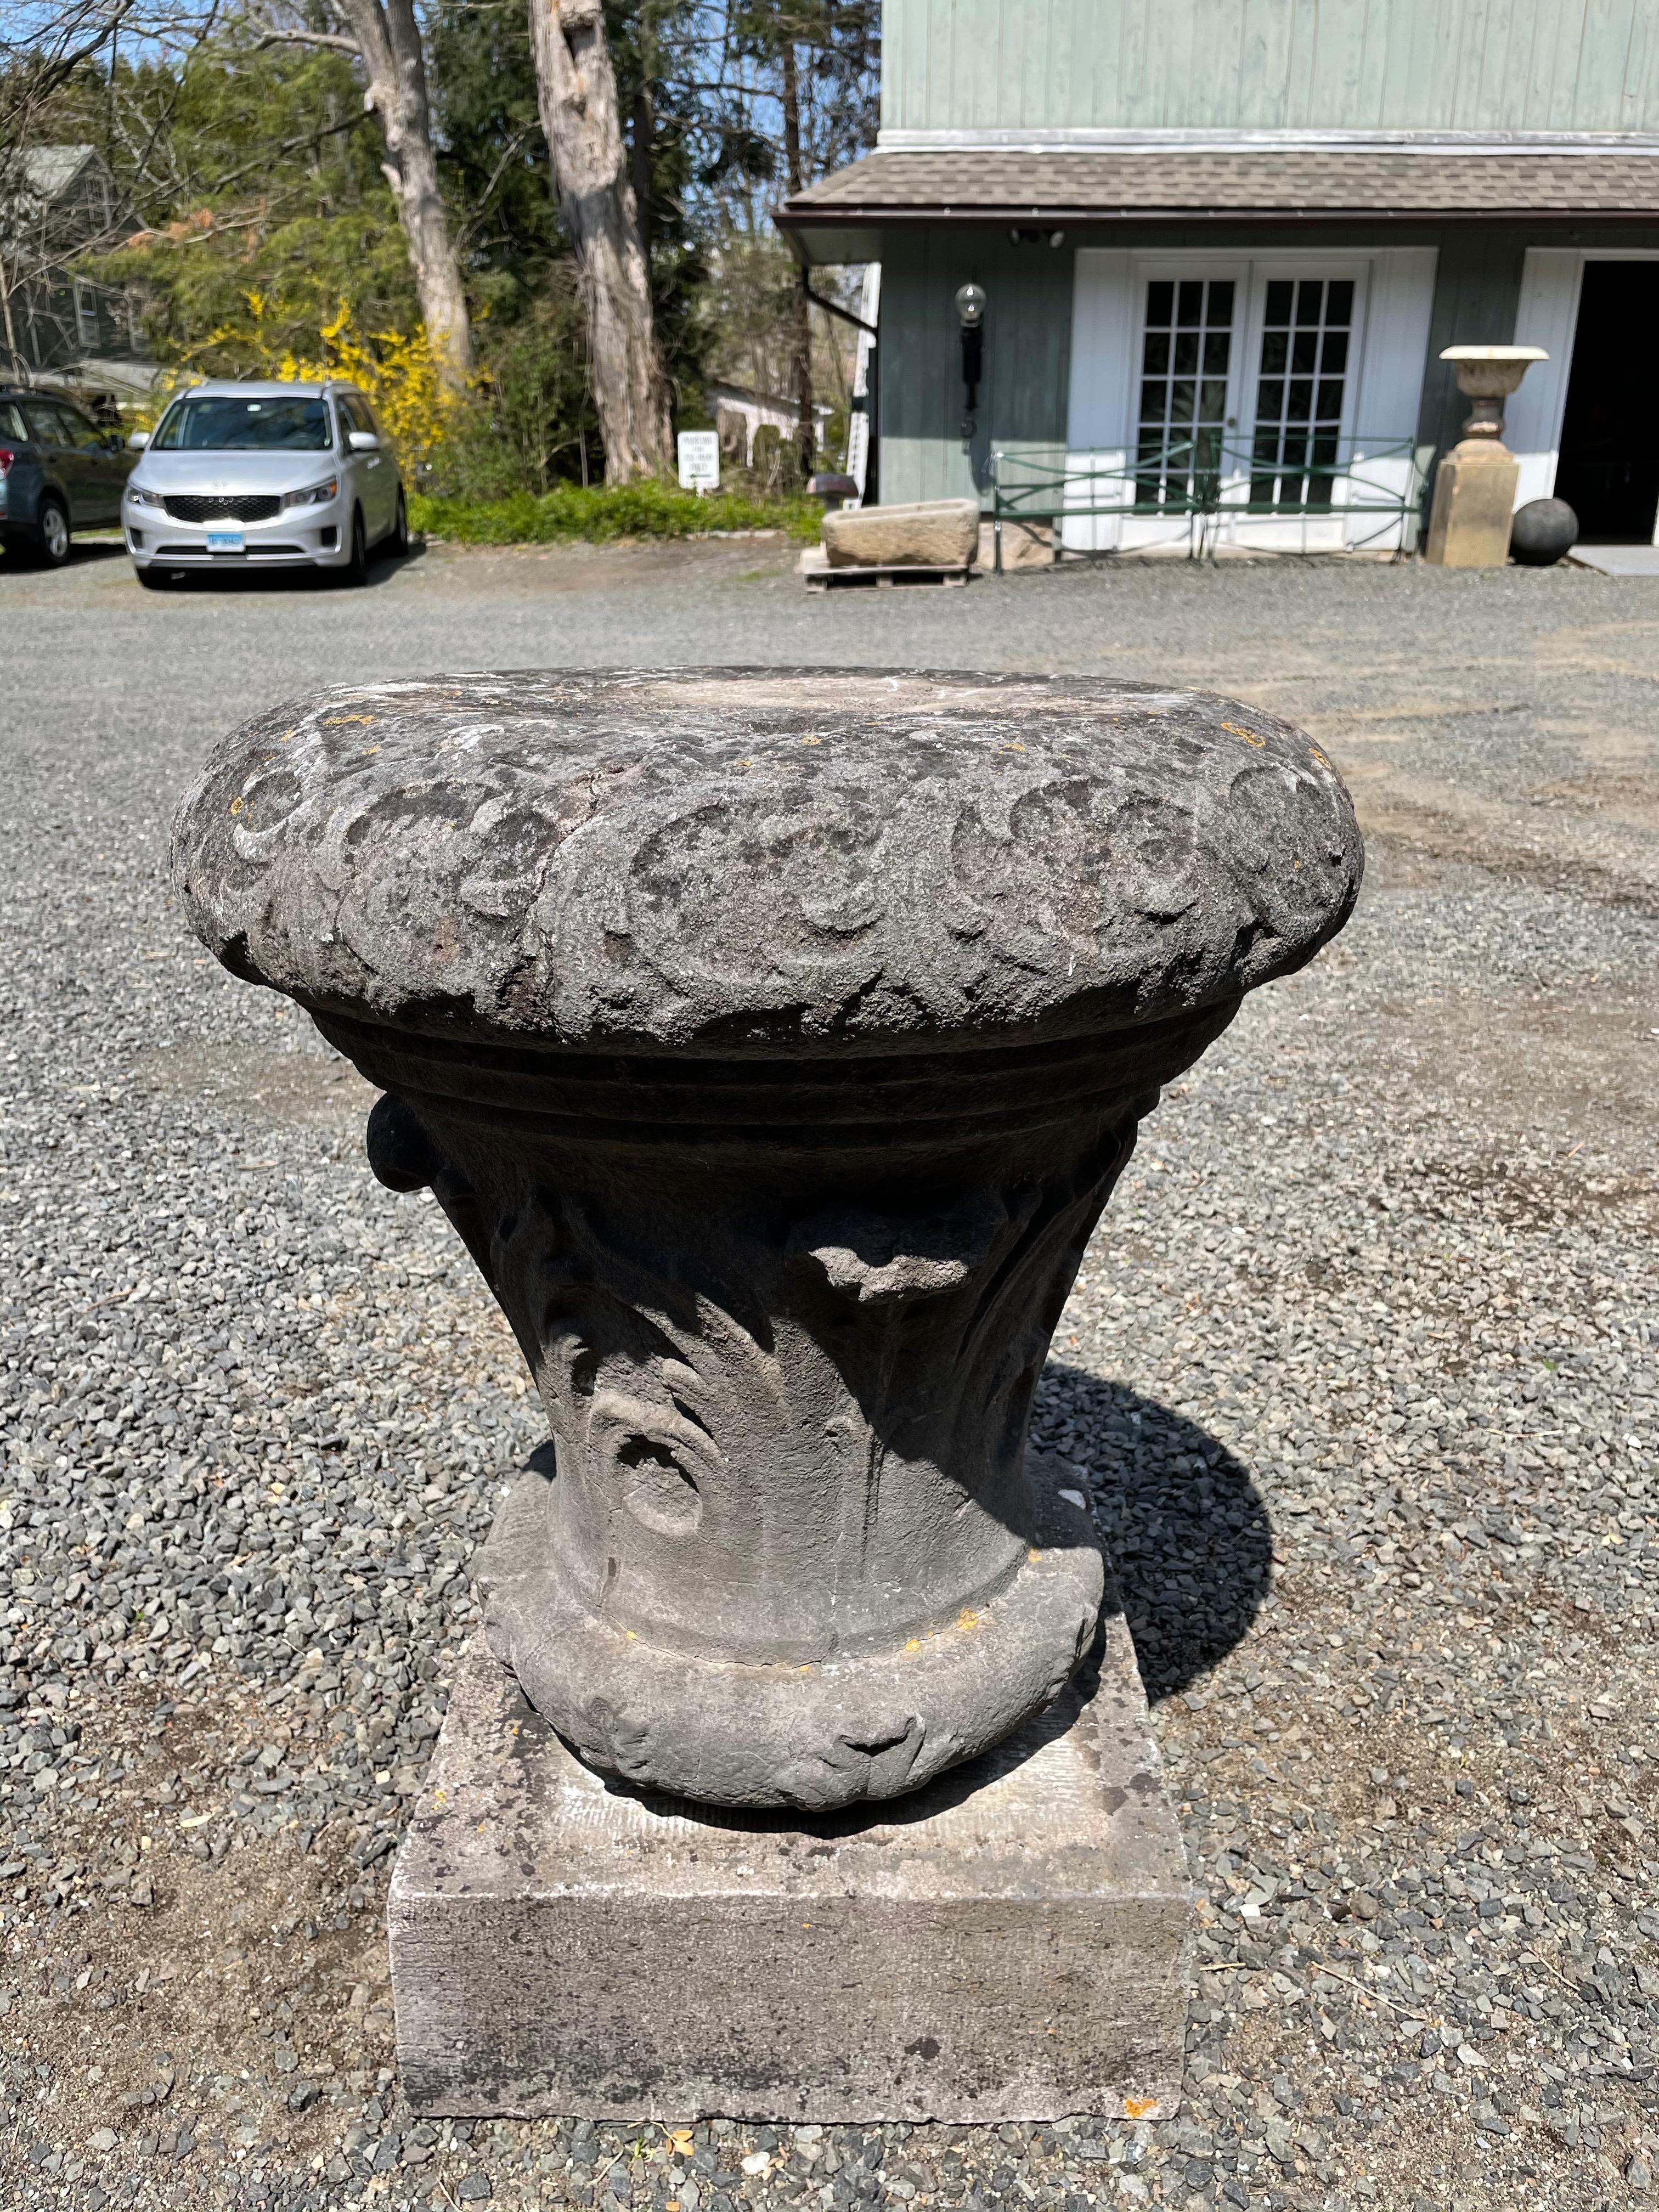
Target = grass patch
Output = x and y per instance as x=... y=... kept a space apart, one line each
x=599 y=513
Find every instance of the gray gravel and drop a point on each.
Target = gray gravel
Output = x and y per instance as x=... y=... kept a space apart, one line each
x=1361 y=1367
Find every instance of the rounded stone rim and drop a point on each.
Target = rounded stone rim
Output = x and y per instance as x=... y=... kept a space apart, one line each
x=991 y=855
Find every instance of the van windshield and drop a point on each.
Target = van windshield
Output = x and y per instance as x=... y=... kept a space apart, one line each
x=234 y=425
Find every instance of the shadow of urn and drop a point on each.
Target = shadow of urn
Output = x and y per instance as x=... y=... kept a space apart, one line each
x=774 y=1038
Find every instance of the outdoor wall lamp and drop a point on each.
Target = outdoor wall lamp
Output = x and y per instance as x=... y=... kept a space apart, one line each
x=970 y=313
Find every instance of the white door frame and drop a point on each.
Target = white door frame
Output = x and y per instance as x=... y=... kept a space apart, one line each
x=1145 y=269
x=1295 y=533
x=1382 y=388
x=1553 y=279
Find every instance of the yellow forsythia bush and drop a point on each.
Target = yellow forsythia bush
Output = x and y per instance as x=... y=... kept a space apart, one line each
x=394 y=369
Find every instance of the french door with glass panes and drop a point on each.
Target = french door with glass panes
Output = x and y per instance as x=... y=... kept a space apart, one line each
x=1244 y=397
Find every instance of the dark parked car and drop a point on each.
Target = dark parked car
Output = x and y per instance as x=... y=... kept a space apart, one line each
x=59 y=473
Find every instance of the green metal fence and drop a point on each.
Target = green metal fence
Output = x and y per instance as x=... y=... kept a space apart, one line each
x=1202 y=487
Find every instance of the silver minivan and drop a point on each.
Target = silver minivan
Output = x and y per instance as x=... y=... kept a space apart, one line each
x=262 y=476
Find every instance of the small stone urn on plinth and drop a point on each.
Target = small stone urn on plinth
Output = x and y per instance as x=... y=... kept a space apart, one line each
x=1475 y=484
x=773 y=1040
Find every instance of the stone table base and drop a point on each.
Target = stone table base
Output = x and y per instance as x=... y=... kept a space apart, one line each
x=1008 y=1943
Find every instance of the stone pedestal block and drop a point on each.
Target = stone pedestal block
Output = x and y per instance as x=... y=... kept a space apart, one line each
x=1007 y=1943
x=1474 y=500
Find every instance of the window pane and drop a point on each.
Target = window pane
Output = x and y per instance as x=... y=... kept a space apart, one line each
x=1309 y=300
x=1275 y=353
x=1188 y=334
x=1333 y=355
x=1339 y=304
x=1304 y=352
x=1330 y=399
x=1279 y=300
x=1298 y=400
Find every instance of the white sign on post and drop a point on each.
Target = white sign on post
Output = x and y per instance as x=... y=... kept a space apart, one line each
x=700 y=460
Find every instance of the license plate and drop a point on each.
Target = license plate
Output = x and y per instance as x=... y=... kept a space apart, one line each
x=226 y=541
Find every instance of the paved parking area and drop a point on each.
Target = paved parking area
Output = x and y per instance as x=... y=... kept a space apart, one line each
x=1361 y=1368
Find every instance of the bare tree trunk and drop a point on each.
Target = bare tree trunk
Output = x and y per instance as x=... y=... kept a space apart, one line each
x=578 y=89
x=807 y=438
x=643 y=128
x=388 y=37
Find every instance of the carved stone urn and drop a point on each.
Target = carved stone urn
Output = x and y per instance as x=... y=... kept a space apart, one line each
x=773 y=1038
x=1488 y=375
x=1476 y=482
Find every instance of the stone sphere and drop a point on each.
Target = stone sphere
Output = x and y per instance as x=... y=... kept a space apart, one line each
x=1543 y=530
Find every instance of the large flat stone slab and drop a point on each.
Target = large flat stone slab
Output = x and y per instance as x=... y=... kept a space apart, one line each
x=928 y=533
x=1008 y=1943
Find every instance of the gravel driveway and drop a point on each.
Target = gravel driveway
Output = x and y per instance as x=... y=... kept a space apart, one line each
x=1361 y=1366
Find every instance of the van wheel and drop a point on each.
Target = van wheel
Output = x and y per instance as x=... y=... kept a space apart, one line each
x=356 y=570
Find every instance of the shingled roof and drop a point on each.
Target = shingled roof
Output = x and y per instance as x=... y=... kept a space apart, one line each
x=1065 y=183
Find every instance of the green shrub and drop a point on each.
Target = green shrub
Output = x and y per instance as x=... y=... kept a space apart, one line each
x=601 y=512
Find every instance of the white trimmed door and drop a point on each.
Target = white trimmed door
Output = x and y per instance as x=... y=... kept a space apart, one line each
x=1248 y=382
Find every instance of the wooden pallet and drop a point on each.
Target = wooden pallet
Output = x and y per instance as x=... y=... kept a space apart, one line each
x=820 y=580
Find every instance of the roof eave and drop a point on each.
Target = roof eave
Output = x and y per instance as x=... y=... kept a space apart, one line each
x=887 y=214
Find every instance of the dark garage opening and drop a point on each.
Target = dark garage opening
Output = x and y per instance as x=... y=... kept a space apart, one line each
x=1609 y=468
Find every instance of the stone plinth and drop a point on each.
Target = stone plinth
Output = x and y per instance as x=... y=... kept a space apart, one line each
x=773 y=1039
x=1473 y=502
x=1008 y=1943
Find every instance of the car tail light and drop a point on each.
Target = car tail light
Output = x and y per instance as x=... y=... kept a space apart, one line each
x=7 y=456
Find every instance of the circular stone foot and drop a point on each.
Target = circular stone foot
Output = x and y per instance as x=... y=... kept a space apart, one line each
x=876 y=1719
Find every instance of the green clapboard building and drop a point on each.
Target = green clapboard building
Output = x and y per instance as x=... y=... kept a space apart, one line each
x=1222 y=243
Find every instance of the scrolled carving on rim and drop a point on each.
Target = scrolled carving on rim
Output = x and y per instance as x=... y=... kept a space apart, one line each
x=656 y=858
